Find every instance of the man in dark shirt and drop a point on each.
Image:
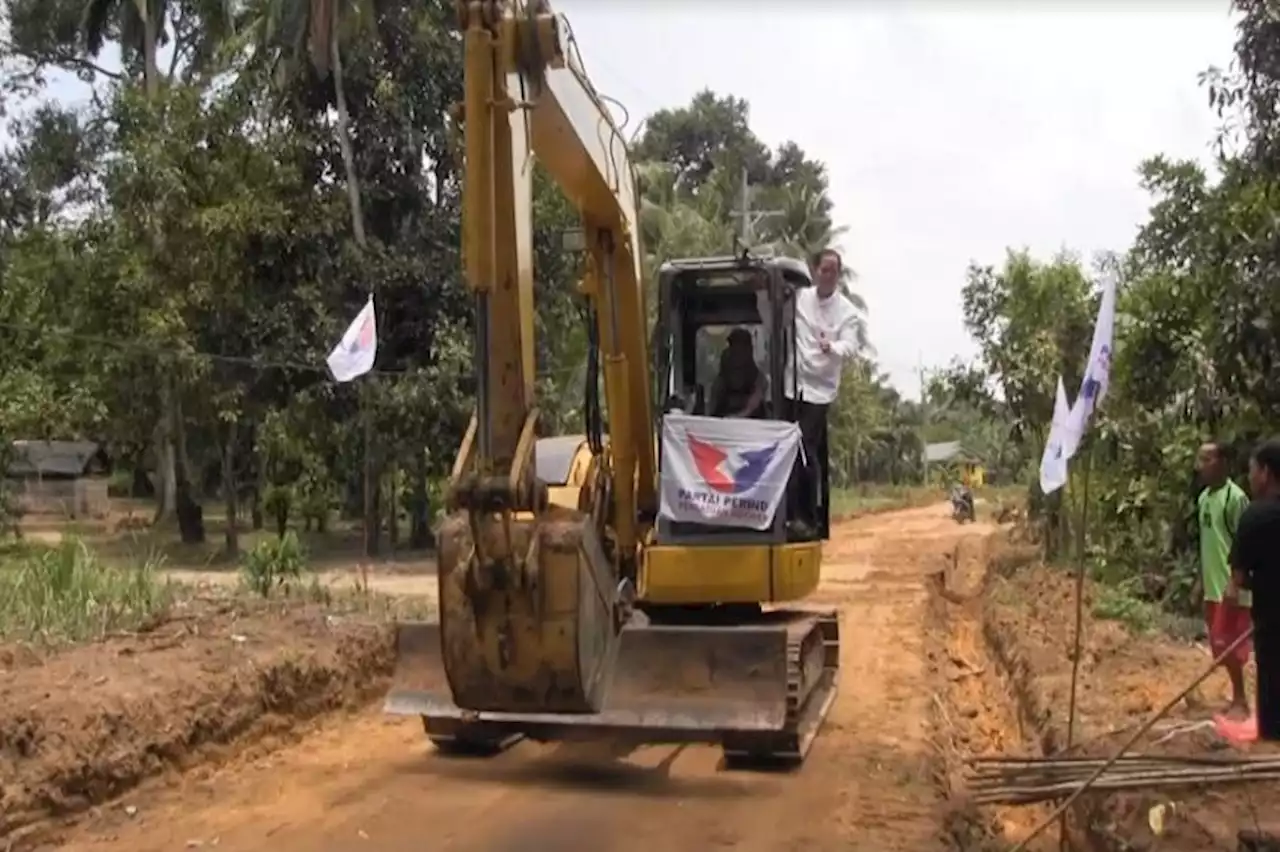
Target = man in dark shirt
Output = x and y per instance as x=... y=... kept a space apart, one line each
x=1255 y=565
x=738 y=390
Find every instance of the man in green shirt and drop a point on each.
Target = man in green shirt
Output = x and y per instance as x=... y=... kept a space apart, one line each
x=1226 y=610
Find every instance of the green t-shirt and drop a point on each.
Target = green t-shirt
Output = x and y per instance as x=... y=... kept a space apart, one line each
x=1219 y=510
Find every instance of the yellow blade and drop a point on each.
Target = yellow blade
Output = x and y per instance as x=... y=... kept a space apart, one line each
x=670 y=683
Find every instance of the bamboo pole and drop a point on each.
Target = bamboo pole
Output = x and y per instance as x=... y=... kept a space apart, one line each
x=1129 y=743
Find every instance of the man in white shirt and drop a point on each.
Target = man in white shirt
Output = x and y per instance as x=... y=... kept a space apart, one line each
x=826 y=325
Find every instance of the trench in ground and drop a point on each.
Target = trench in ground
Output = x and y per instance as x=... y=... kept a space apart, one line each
x=987 y=704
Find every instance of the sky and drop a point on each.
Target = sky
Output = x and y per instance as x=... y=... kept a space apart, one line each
x=951 y=131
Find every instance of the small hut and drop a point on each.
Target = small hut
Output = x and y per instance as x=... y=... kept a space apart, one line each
x=951 y=459
x=62 y=478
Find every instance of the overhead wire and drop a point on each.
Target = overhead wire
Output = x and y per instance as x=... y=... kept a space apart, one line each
x=251 y=361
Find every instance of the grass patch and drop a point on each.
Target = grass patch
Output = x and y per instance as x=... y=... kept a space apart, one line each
x=1121 y=601
x=53 y=595
x=57 y=595
x=876 y=497
x=869 y=497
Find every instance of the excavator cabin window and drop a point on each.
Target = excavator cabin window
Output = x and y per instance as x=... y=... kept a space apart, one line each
x=702 y=304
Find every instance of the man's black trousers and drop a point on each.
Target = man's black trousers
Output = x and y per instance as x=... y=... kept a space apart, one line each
x=809 y=491
x=1266 y=651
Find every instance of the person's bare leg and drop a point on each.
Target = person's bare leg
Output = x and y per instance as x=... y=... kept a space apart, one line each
x=1239 y=706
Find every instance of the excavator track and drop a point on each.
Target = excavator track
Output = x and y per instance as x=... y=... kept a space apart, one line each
x=813 y=664
x=759 y=687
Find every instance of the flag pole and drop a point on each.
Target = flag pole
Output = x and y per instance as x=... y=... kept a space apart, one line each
x=372 y=519
x=1078 y=640
x=370 y=522
x=354 y=357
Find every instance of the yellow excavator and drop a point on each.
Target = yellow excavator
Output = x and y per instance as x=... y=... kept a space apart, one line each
x=570 y=605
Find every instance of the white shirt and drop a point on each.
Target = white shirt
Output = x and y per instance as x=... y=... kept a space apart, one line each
x=833 y=319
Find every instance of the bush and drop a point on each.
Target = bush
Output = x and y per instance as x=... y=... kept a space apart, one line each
x=274 y=564
x=67 y=594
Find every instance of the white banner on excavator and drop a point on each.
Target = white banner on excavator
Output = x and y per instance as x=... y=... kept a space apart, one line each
x=725 y=471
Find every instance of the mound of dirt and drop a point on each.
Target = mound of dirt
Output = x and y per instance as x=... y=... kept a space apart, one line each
x=84 y=725
x=1029 y=619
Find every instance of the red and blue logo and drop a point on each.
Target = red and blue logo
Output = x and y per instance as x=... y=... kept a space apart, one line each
x=365 y=337
x=729 y=471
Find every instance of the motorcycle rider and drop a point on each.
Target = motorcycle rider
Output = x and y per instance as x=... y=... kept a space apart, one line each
x=962 y=496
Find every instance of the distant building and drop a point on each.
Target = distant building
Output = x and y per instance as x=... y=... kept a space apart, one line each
x=61 y=478
x=953 y=455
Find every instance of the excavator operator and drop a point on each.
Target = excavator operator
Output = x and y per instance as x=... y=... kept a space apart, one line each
x=738 y=390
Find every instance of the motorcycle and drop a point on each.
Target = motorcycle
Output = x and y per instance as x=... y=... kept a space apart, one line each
x=962 y=508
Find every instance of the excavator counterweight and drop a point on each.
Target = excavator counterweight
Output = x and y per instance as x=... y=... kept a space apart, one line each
x=569 y=607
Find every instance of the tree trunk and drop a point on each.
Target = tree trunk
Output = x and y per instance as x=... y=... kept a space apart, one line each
x=231 y=493
x=283 y=504
x=420 y=516
x=372 y=519
x=141 y=487
x=150 y=41
x=165 y=468
x=344 y=140
x=393 y=508
x=259 y=489
x=190 y=514
x=373 y=511
x=182 y=456
x=166 y=484
x=185 y=506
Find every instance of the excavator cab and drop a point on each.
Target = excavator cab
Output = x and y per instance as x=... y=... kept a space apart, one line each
x=701 y=303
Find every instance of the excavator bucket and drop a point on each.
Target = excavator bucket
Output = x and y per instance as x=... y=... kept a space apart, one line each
x=738 y=684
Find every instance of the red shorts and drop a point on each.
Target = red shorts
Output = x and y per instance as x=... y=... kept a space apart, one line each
x=1226 y=621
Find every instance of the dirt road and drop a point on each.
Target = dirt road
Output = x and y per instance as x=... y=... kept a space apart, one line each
x=373 y=783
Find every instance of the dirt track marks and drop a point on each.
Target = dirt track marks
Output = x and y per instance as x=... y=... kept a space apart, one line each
x=868 y=784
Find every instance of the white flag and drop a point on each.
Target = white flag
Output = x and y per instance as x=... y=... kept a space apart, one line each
x=354 y=355
x=1097 y=375
x=1053 y=464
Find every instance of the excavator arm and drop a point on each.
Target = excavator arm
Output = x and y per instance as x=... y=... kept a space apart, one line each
x=533 y=597
x=527 y=99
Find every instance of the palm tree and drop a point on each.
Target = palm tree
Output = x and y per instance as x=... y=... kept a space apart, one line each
x=675 y=224
x=286 y=32
x=140 y=26
x=803 y=229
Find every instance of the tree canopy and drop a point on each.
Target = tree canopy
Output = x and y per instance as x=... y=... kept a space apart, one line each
x=1196 y=349
x=179 y=251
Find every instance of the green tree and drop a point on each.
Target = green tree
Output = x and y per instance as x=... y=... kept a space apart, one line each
x=1032 y=322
